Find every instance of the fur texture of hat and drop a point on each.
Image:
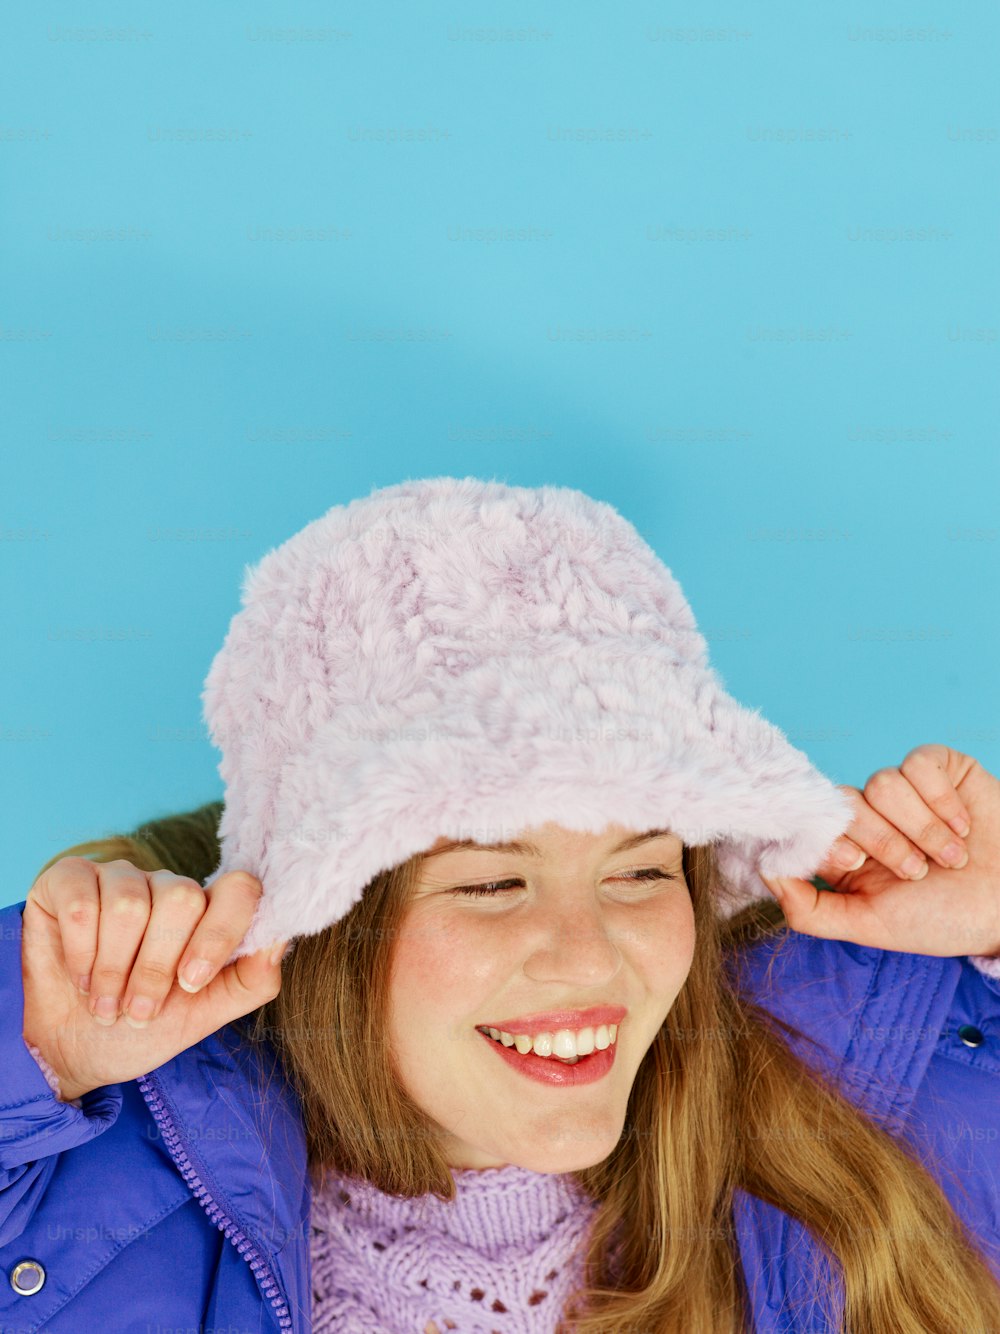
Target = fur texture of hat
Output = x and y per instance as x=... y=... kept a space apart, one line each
x=465 y=658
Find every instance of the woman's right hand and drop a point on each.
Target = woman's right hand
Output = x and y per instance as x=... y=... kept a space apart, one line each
x=133 y=933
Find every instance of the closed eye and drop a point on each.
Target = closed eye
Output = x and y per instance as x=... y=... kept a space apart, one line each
x=494 y=886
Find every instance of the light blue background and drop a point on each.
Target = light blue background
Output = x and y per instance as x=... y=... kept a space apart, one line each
x=634 y=250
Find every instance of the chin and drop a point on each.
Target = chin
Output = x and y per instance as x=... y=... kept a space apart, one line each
x=572 y=1158
x=569 y=1163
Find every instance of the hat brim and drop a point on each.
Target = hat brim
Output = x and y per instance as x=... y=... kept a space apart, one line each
x=533 y=738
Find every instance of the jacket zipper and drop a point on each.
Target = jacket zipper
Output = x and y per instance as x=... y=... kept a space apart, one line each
x=262 y=1271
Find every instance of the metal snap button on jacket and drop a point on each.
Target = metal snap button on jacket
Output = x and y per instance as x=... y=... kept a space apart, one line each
x=970 y=1035
x=27 y=1277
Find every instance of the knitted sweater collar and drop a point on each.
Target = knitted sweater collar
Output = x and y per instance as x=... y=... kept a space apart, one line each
x=497 y=1258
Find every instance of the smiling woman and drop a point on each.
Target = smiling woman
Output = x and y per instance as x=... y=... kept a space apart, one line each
x=575 y=929
x=542 y=1056
x=719 y=1113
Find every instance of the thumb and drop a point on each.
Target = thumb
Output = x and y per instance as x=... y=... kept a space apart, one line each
x=246 y=984
x=814 y=912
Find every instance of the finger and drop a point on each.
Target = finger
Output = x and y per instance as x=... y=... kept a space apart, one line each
x=125 y=908
x=242 y=986
x=892 y=794
x=232 y=900
x=872 y=835
x=847 y=854
x=69 y=893
x=179 y=903
x=929 y=769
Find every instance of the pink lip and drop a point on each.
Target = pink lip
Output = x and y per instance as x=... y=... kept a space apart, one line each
x=553 y=1072
x=551 y=1020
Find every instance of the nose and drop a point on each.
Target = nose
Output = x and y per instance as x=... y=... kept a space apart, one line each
x=572 y=941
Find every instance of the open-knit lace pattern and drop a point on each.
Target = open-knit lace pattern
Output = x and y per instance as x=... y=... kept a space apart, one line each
x=496 y=1260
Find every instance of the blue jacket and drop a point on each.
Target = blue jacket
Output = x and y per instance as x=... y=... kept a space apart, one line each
x=181 y=1199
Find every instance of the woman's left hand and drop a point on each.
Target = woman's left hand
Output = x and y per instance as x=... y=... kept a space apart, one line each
x=951 y=909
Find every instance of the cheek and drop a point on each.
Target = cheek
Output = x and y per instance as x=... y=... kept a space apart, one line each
x=439 y=968
x=664 y=944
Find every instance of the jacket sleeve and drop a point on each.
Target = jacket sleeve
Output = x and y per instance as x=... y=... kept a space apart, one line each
x=35 y=1127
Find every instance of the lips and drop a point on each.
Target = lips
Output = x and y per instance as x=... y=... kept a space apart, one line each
x=556 y=1073
x=551 y=1020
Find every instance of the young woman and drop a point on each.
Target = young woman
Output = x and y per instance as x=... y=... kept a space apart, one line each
x=533 y=1061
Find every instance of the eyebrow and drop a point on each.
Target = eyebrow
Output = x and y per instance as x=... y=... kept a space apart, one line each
x=529 y=849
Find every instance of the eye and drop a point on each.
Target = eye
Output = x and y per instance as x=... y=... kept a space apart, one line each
x=494 y=886
x=491 y=887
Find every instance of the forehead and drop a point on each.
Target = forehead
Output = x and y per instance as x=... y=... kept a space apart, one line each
x=535 y=842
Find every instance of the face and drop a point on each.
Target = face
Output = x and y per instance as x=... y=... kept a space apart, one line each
x=576 y=923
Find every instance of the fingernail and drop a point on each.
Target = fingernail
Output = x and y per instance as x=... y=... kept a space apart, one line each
x=84 y=984
x=194 y=974
x=106 y=1010
x=138 y=1011
x=915 y=867
x=954 y=854
x=960 y=826
x=850 y=860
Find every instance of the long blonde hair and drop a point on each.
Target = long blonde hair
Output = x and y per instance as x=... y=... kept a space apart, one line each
x=719 y=1102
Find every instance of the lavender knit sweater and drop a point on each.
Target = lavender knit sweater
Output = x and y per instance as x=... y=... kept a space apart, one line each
x=497 y=1259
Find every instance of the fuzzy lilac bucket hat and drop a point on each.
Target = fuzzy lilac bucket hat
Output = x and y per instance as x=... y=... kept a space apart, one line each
x=463 y=658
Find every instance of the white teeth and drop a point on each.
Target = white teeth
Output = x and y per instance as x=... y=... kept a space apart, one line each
x=564 y=1044
x=542 y=1045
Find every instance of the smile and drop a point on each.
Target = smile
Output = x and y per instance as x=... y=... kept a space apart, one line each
x=552 y=1069
x=565 y=1044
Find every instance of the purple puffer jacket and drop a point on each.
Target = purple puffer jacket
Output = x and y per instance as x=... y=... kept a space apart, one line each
x=180 y=1201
